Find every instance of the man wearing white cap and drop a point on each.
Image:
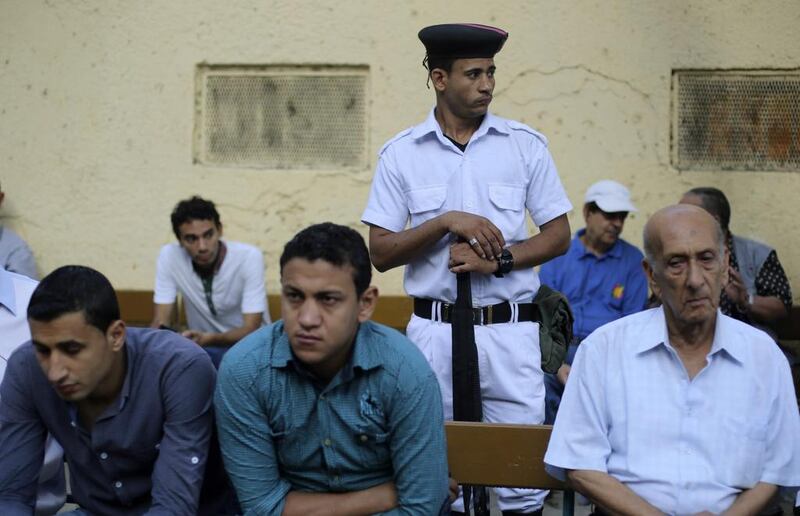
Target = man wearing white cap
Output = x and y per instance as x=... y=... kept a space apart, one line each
x=601 y=274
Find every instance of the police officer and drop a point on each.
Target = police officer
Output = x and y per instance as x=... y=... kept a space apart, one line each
x=450 y=196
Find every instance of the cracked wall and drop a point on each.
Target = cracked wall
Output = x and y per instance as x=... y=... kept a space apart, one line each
x=97 y=111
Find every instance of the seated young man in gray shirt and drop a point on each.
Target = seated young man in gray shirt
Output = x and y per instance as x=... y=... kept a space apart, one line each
x=131 y=407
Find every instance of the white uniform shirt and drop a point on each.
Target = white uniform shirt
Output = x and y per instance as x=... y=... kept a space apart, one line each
x=629 y=409
x=505 y=170
x=237 y=288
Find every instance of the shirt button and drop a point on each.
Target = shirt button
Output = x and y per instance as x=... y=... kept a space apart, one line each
x=363 y=438
x=72 y=424
x=104 y=455
x=326 y=442
x=118 y=484
x=195 y=460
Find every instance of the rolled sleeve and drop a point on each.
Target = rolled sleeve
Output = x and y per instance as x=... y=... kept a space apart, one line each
x=387 y=206
x=580 y=438
x=246 y=438
x=22 y=438
x=419 y=450
x=179 y=470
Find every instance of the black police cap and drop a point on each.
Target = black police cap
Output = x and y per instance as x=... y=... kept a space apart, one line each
x=462 y=40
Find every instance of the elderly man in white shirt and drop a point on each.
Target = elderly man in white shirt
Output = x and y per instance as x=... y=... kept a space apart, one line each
x=15 y=292
x=679 y=409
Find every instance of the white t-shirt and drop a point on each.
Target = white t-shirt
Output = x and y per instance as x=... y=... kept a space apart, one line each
x=237 y=287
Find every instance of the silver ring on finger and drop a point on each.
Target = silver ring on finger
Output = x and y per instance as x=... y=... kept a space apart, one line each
x=473 y=241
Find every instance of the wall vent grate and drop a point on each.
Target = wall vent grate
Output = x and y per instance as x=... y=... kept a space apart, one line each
x=282 y=117
x=736 y=120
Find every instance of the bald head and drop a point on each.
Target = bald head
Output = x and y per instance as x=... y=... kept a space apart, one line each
x=686 y=266
x=678 y=217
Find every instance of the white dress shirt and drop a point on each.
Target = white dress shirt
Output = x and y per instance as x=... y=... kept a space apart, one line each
x=630 y=409
x=506 y=170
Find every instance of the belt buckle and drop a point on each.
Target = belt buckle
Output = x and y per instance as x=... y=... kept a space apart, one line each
x=477 y=316
x=489 y=317
x=445 y=307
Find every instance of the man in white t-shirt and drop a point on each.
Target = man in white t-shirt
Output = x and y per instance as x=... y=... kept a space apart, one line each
x=221 y=282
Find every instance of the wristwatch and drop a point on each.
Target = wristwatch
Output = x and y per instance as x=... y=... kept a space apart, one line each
x=505 y=262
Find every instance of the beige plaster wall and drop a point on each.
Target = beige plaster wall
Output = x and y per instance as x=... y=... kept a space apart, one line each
x=96 y=110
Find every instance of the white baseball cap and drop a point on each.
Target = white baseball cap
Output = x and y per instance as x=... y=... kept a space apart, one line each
x=610 y=196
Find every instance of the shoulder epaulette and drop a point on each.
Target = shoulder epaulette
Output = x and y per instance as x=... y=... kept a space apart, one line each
x=519 y=126
x=398 y=136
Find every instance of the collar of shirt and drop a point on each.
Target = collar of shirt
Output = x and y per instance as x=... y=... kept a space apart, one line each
x=654 y=334
x=208 y=273
x=7 y=297
x=124 y=393
x=430 y=125
x=583 y=252
x=364 y=355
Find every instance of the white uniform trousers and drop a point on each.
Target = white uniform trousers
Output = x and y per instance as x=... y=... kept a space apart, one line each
x=512 y=383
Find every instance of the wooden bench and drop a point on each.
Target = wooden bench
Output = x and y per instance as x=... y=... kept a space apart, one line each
x=501 y=455
x=136 y=307
x=394 y=311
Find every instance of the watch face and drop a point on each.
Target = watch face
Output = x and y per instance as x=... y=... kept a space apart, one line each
x=506 y=261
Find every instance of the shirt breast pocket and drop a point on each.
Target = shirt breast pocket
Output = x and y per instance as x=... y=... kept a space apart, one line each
x=509 y=215
x=289 y=447
x=372 y=445
x=426 y=203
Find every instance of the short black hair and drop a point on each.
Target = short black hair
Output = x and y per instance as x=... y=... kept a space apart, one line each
x=195 y=208
x=335 y=244
x=75 y=288
x=714 y=202
x=445 y=63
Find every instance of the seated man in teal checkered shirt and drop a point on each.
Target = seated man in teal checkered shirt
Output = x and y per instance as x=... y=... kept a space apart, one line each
x=325 y=410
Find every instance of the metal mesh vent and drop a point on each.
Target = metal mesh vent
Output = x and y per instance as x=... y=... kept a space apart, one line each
x=296 y=118
x=736 y=120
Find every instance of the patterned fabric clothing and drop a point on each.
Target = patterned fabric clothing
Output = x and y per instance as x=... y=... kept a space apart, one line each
x=771 y=281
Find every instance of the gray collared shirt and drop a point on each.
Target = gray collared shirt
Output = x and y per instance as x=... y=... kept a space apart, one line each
x=146 y=453
x=15 y=255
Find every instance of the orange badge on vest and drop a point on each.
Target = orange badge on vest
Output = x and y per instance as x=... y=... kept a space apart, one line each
x=617 y=291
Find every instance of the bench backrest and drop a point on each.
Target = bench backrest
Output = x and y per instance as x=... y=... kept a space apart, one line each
x=136 y=307
x=491 y=454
